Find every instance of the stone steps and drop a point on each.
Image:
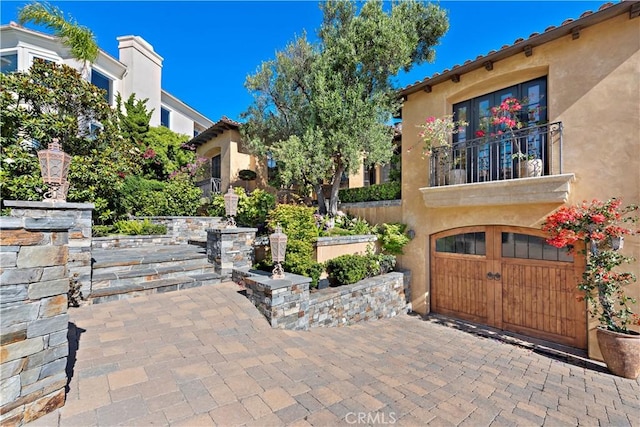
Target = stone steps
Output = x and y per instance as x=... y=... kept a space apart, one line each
x=130 y=272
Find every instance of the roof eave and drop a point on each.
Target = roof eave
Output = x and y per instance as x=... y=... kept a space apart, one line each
x=536 y=39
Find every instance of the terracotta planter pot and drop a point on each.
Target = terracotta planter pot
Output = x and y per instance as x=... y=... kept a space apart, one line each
x=621 y=352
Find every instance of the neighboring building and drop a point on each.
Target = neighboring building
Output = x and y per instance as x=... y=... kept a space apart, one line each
x=138 y=71
x=478 y=252
x=226 y=154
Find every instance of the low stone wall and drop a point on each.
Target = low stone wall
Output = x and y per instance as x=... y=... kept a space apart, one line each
x=370 y=299
x=112 y=242
x=288 y=304
x=284 y=302
x=79 y=262
x=230 y=249
x=184 y=228
x=34 y=282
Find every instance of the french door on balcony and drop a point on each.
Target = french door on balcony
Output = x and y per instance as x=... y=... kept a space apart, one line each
x=494 y=160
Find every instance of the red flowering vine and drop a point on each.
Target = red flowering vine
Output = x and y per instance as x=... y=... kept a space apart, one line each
x=600 y=225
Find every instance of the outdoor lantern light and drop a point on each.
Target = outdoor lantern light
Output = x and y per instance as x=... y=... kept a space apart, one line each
x=231 y=207
x=54 y=166
x=278 y=241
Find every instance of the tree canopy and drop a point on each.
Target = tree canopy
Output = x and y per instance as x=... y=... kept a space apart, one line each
x=321 y=109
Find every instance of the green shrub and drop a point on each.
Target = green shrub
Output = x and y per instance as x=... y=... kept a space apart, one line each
x=139 y=228
x=101 y=230
x=253 y=208
x=347 y=269
x=372 y=193
x=380 y=264
x=146 y=197
x=297 y=222
x=392 y=237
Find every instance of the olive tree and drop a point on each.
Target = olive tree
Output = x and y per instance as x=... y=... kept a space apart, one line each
x=322 y=109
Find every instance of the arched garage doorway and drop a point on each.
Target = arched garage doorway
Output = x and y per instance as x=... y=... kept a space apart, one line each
x=509 y=278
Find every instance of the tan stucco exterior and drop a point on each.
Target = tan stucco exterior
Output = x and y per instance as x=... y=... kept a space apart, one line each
x=593 y=88
x=233 y=158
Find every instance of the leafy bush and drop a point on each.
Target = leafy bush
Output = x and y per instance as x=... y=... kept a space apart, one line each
x=101 y=230
x=139 y=228
x=380 y=264
x=146 y=197
x=372 y=193
x=392 y=237
x=297 y=222
x=347 y=269
x=253 y=208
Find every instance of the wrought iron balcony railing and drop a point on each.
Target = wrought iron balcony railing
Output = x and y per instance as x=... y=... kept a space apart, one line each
x=527 y=152
x=209 y=186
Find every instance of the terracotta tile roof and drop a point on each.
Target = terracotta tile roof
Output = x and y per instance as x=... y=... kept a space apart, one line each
x=216 y=129
x=569 y=26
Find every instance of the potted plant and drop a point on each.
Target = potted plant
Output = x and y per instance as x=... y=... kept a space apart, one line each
x=458 y=174
x=436 y=134
x=505 y=119
x=602 y=226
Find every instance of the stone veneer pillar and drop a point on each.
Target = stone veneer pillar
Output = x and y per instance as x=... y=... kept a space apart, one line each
x=284 y=302
x=79 y=263
x=230 y=248
x=34 y=283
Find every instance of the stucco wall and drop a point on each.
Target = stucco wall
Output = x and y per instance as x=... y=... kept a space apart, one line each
x=593 y=87
x=232 y=157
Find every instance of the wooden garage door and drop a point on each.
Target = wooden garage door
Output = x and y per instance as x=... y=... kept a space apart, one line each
x=509 y=278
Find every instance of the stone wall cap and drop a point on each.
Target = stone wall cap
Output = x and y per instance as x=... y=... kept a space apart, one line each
x=289 y=279
x=13 y=223
x=47 y=205
x=372 y=204
x=236 y=230
x=179 y=217
x=343 y=240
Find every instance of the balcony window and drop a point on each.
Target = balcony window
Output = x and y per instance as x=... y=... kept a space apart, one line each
x=499 y=155
x=9 y=62
x=103 y=82
x=164 y=117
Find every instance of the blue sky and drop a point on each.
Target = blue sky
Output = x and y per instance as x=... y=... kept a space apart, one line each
x=209 y=47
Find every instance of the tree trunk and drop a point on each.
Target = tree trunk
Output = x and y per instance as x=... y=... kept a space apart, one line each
x=322 y=206
x=335 y=188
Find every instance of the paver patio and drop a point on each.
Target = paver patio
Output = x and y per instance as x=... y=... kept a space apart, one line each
x=205 y=356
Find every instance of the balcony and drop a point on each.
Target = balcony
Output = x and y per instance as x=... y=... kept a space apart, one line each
x=511 y=168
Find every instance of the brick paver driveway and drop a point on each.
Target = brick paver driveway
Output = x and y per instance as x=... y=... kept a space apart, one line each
x=206 y=357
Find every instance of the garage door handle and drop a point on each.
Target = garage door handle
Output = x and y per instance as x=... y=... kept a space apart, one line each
x=490 y=276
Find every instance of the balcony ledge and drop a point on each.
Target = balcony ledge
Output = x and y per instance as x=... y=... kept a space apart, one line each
x=543 y=189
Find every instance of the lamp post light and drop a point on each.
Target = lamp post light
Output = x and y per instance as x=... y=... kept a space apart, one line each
x=54 y=167
x=231 y=207
x=278 y=242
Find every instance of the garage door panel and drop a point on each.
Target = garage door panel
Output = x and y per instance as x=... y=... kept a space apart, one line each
x=542 y=299
x=520 y=284
x=458 y=286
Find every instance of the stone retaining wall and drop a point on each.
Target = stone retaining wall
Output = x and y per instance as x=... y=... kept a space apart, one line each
x=288 y=304
x=370 y=299
x=185 y=228
x=79 y=262
x=284 y=302
x=230 y=249
x=34 y=282
x=112 y=242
